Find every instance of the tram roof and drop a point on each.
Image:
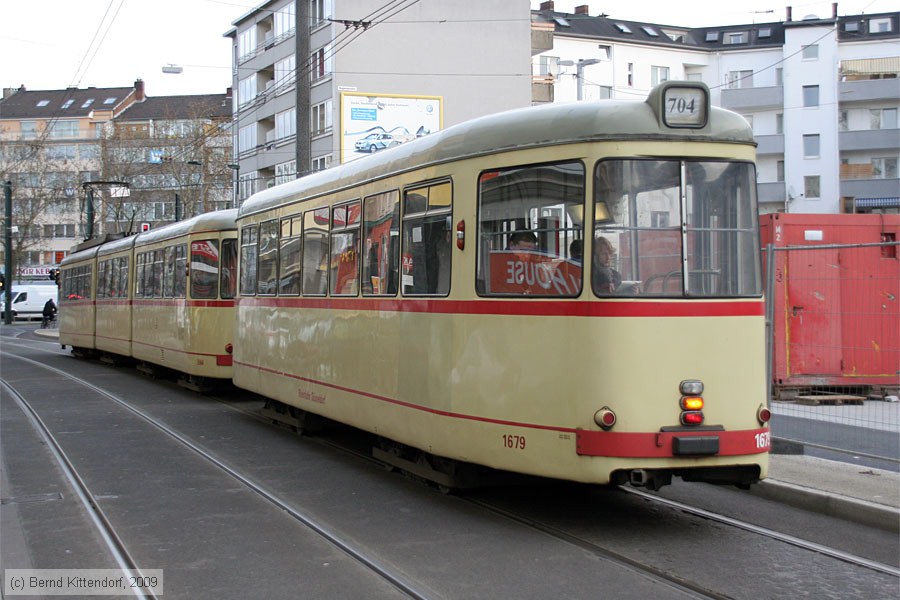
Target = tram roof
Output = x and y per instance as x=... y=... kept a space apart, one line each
x=219 y=220
x=547 y=125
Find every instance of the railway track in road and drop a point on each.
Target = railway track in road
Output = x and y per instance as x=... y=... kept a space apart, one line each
x=111 y=540
x=391 y=576
x=650 y=568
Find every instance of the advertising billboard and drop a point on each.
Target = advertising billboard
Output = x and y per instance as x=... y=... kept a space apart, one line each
x=374 y=122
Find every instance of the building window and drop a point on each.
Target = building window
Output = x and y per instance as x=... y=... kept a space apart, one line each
x=247 y=138
x=605 y=52
x=779 y=76
x=28 y=129
x=884 y=168
x=811 y=145
x=810 y=95
x=320 y=63
x=779 y=123
x=658 y=75
x=320 y=118
x=630 y=74
x=286 y=171
x=843 y=121
x=764 y=32
x=246 y=90
x=319 y=10
x=811 y=52
x=712 y=36
x=740 y=79
x=321 y=163
x=779 y=171
x=284 y=20
x=883 y=118
x=736 y=37
x=247 y=185
x=64 y=129
x=623 y=27
x=247 y=43
x=811 y=186
x=286 y=123
x=852 y=26
x=548 y=66
x=880 y=25
x=284 y=73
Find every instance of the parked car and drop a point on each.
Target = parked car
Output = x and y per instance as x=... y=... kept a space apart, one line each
x=375 y=142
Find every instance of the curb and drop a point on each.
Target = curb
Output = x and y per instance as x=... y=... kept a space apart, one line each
x=850 y=509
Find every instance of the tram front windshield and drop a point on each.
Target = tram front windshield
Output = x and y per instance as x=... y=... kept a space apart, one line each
x=639 y=209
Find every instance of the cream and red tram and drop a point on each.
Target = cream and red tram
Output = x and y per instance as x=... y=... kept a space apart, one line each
x=623 y=342
x=164 y=297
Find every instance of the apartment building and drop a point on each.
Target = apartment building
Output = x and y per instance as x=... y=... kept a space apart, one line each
x=50 y=147
x=321 y=82
x=59 y=148
x=822 y=94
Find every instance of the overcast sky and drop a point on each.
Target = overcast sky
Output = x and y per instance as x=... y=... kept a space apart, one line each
x=52 y=44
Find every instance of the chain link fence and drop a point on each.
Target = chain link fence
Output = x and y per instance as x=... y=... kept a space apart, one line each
x=833 y=320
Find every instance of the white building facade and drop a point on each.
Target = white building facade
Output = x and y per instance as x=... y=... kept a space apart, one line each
x=822 y=95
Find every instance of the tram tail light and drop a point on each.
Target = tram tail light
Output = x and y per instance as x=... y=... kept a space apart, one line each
x=692 y=417
x=691 y=402
x=461 y=235
x=605 y=418
x=763 y=414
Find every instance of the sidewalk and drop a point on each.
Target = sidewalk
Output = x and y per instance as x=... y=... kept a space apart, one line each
x=847 y=491
x=843 y=490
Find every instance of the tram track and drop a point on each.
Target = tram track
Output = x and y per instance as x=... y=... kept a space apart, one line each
x=646 y=569
x=111 y=540
x=391 y=576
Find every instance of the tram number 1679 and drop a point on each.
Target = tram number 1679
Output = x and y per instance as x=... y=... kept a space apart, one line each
x=763 y=440
x=515 y=442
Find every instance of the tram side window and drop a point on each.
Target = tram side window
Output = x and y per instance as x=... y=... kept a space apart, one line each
x=531 y=224
x=159 y=257
x=122 y=277
x=315 y=252
x=289 y=256
x=205 y=269
x=228 y=270
x=77 y=283
x=104 y=272
x=343 y=275
x=427 y=240
x=639 y=244
x=169 y=272
x=248 y=260
x=140 y=262
x=179 y=286
x=267 y=272
x=381 y=254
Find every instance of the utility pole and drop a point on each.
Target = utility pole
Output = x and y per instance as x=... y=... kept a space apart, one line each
x=7 y=246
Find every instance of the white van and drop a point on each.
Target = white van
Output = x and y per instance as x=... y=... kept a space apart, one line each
x=28 y=300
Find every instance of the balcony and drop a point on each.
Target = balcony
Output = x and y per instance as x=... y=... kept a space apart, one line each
x=872 y=139
x=541 y=37
x=870 y=188
x=750 y=99
x=542 y=88
x=769 y=144
x=866 y=90
x=771 y=192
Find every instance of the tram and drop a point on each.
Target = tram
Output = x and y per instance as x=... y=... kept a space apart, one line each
x=570 y=291
x=164 y=298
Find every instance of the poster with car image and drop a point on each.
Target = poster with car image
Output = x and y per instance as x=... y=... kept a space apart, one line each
x=371 y=123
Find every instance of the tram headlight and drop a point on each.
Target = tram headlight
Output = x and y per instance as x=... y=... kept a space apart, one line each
x=691 y=387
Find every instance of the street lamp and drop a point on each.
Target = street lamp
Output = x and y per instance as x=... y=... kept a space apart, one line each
x=579 y=71
x=237 y=180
